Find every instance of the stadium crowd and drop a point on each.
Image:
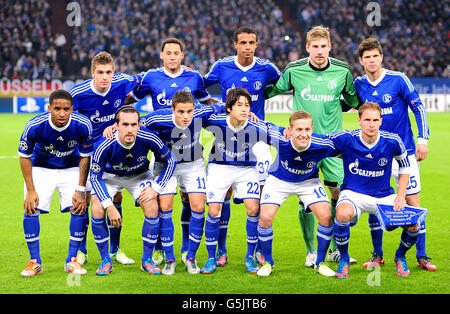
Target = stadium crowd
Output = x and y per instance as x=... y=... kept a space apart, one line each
x=413 y=34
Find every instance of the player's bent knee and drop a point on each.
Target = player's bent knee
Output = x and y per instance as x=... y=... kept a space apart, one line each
x=412 y=228
x=265 y=220
x=344 y=212
x=325 y=219
x=197 y=202
x=150 y=208
x=214 y=209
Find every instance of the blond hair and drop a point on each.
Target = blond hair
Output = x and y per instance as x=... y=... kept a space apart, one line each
x=102 y=58
x=369 y=106
x=318 y=32
x=299 y=115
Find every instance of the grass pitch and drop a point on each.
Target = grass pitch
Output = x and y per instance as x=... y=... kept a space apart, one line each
x=289 y=276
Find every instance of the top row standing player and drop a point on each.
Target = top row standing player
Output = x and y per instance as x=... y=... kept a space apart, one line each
x=98 y=99
x=395 y=94
x=253 y=74
x=161 y=84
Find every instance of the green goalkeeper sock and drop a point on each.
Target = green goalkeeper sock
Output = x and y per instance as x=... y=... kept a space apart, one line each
x=308 y=225
x=333 y=246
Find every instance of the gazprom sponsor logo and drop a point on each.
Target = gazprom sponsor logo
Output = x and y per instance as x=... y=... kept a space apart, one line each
x=354 y=169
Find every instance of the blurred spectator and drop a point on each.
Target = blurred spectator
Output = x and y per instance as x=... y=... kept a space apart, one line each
x=414 y=34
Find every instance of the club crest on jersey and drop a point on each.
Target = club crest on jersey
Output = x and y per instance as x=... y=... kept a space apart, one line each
x=387 y=98
x=382 y=162
x=332 y=84
x=72 y=144
x=257 y=85
x=117 y=103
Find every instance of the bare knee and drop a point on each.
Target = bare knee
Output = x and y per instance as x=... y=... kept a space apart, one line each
x=344 y=212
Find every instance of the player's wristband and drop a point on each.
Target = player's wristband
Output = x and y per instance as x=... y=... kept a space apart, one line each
x=81 y=188
x=422 y=141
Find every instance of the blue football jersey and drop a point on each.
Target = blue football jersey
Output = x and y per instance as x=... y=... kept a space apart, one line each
x=293 y=165
x=161 y=85
x=183 y=141
x=233 y=146
x=394 y=92
x=254 y=78
x=55 y=147
x=368 y=168
x=113 y=157
x=101 y=107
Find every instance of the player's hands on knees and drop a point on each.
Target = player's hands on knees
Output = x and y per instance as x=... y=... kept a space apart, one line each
x=108 y=132
x=147 y=194
x=31 y=203
x=421 y=152
x=79 y=202
x=399 y=203
x=253 y=117
x=114 y=216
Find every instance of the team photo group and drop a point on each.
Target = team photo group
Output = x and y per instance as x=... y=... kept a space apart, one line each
x=93 y=144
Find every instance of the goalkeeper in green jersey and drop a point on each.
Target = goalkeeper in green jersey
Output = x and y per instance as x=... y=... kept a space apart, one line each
x=318 y=82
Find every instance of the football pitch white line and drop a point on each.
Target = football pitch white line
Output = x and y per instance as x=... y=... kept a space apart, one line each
x=9 y=157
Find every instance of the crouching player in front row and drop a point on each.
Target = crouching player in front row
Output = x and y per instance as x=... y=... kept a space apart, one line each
x=232 y=163
x=295 y=172
x=368 y=154
x=55 y=151
x=120 y=163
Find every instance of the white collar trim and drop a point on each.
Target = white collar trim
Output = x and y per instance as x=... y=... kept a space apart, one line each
x=243 y=68
x=238 y=128
x=100 y=93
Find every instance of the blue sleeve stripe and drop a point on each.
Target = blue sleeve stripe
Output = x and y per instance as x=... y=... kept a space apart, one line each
x=76 y=89
x=100 y=149
x=424 y=123
x=81 y=89
x=99 y=188
x=168 y=171
x=33 y=123
x=84 y=121
x=323 y=142
x=152 y=137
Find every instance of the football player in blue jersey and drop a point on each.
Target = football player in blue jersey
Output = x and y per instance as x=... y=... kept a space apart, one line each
x=247 y=71
x=368 y=154
x=232 y=163
x=55 y=151
x=120 y=163
x=161 y=84
x=180 y=128
x=394 y=92
x=98 y=99
x=295 y=172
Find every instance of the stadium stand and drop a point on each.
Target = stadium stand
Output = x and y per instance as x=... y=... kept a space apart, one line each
x=32 y=44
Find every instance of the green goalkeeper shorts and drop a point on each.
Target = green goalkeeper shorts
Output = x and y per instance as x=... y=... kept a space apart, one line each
x=333 y=171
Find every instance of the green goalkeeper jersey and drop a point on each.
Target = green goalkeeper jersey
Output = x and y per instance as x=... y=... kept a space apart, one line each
x=318 y=91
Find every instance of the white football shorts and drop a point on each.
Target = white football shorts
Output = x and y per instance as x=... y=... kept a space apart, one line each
x=46 y=180
x=414 y=175
x=264 y=160
x=310 y=191
x=190 y=176
x=243 y=179
x=132 y=183
x=363 y=203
